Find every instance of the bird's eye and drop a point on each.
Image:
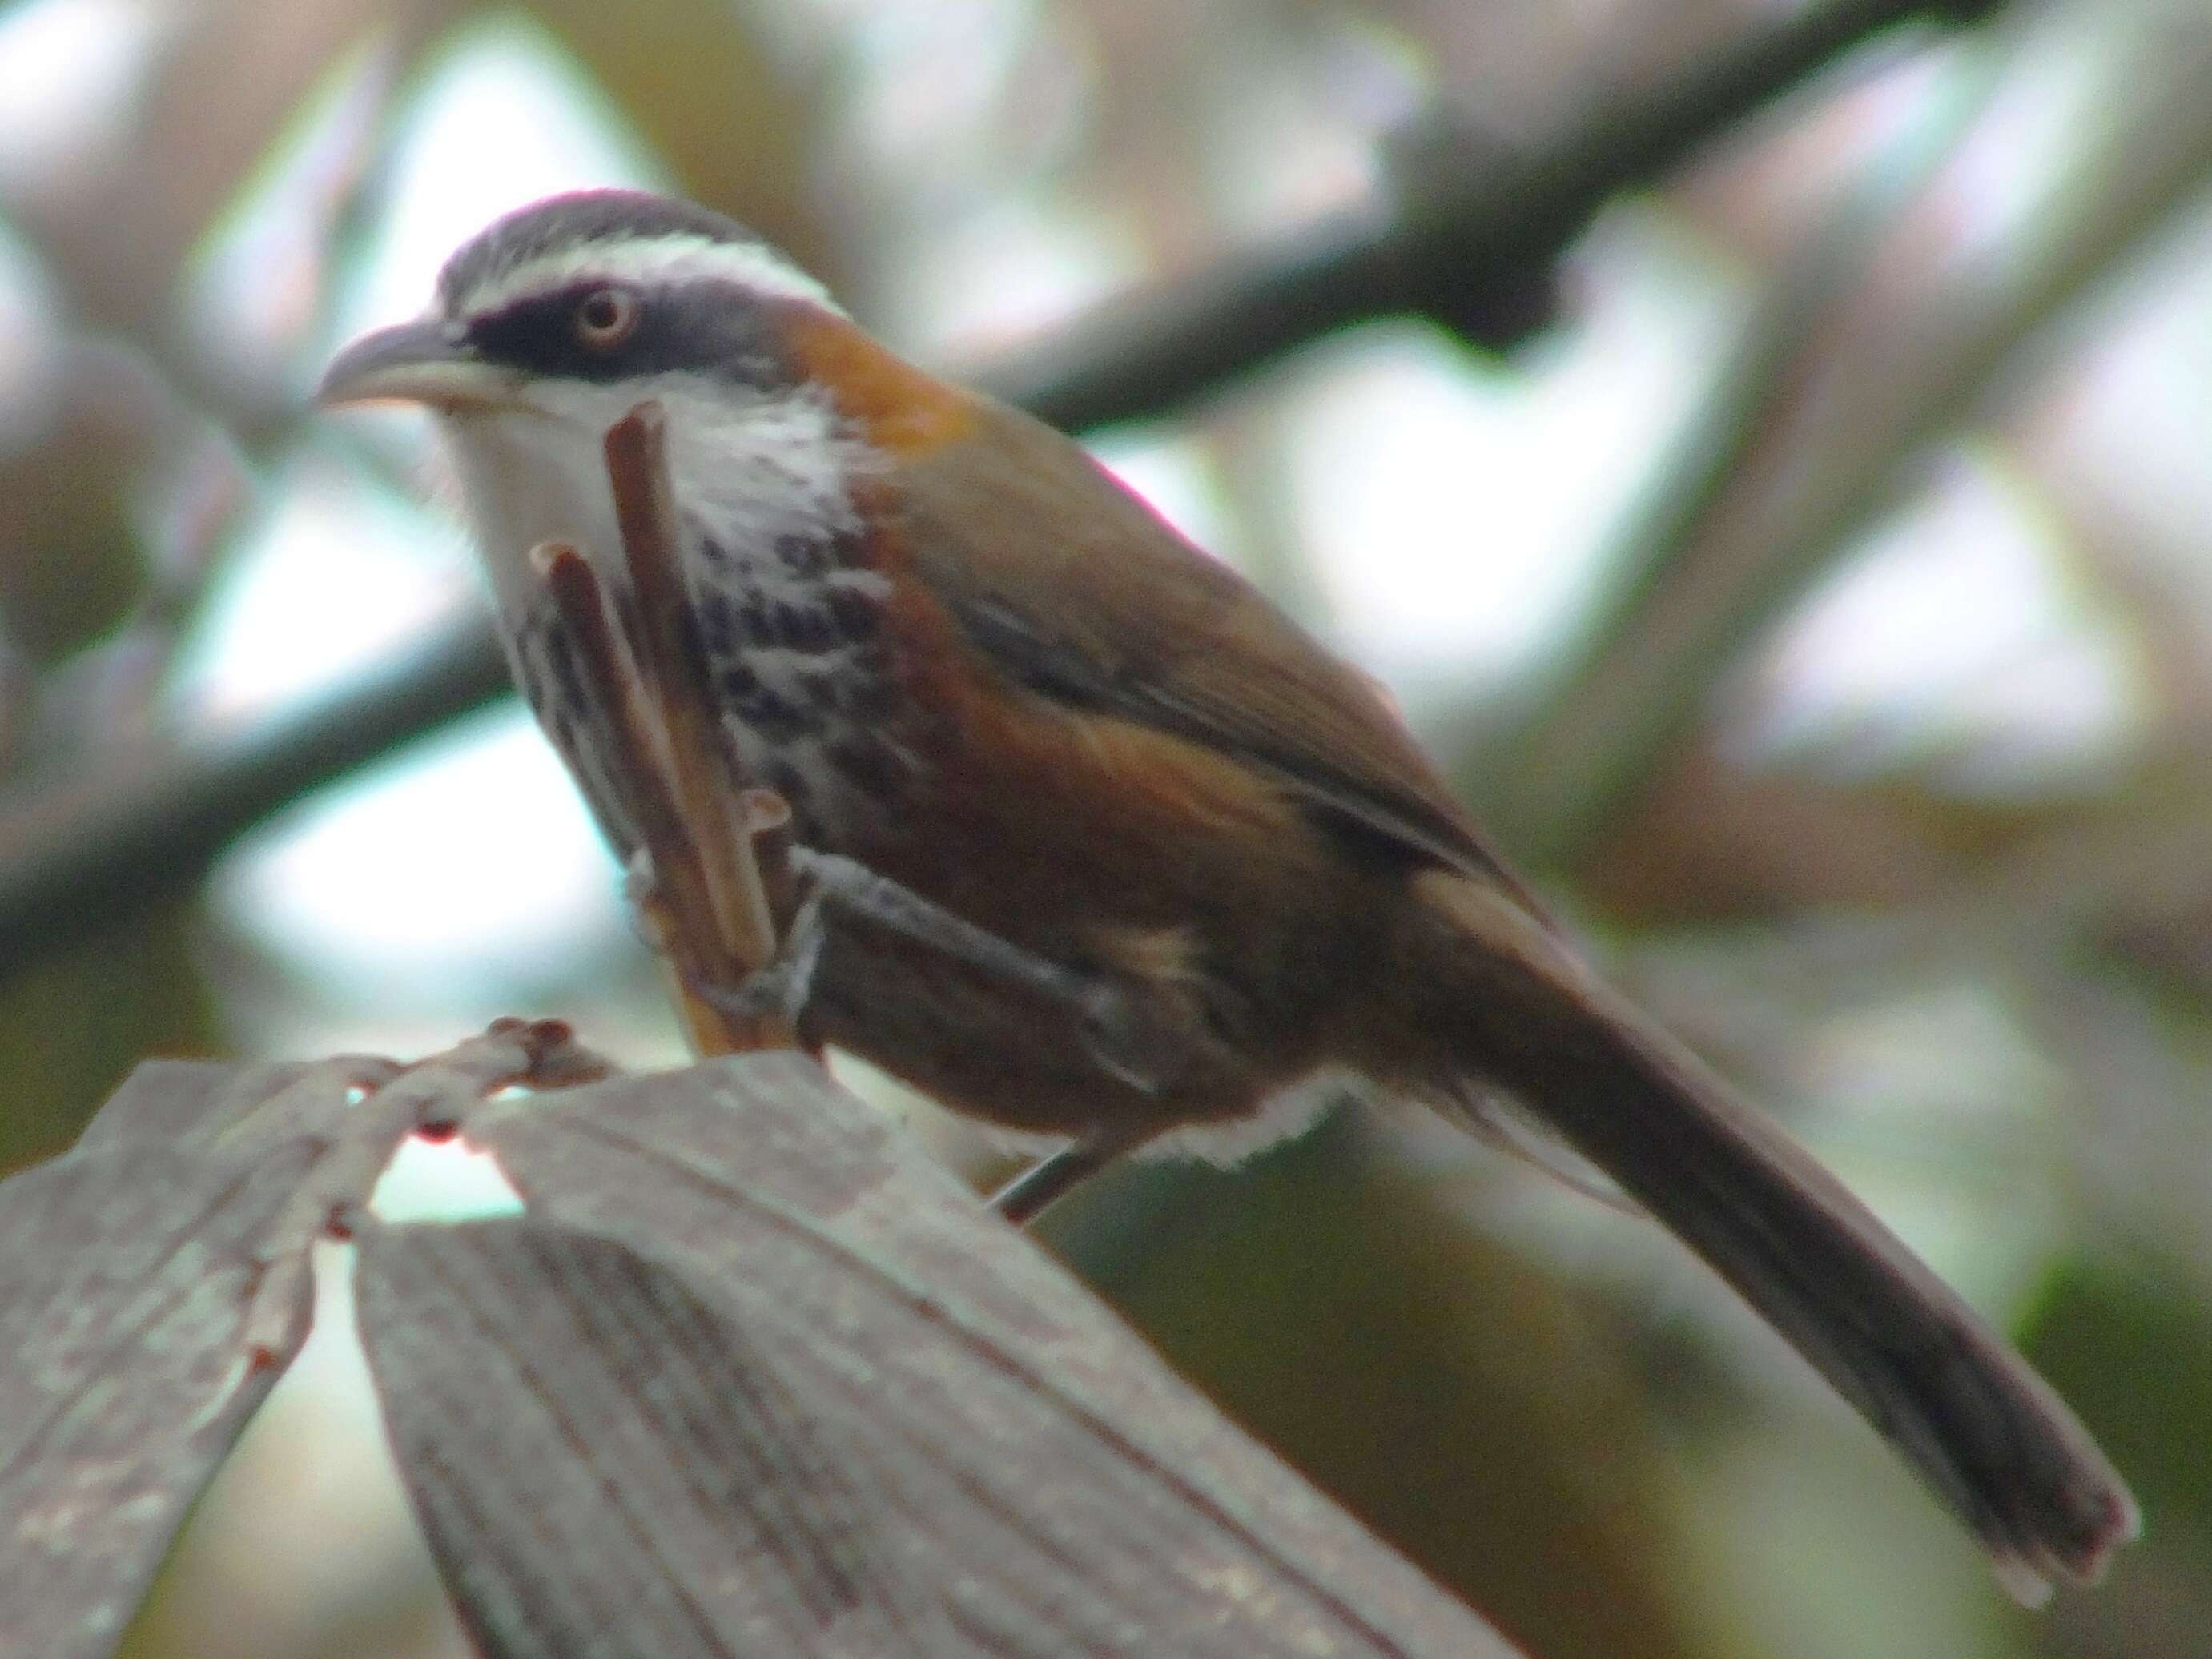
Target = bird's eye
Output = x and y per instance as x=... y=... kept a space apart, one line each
x=606 y=318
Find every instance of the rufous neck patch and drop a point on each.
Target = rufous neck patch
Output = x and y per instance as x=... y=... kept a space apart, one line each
x=898 y=407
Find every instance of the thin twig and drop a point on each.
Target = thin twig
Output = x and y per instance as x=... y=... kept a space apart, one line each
x=638 y=768
x=702 y=773
x=767 y=818
x=711 y=909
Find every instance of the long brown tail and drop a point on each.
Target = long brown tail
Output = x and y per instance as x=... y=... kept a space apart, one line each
x=1987 y=1433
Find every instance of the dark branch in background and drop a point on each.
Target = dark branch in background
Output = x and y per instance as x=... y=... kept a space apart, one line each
x=1469 y=239
x=145 y=821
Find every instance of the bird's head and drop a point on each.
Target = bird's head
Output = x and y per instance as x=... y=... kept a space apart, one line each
x=555 y=322
x=605 y=294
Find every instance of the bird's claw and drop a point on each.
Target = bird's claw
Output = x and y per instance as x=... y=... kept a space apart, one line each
x=783 y=986
x=1111 y=1018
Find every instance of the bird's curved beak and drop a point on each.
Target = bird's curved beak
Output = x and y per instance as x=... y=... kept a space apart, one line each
x=425 y=361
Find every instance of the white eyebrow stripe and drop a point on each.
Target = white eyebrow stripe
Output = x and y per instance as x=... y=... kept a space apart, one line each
x=655 y=259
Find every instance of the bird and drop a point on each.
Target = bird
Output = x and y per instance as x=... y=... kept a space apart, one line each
x=990 y=679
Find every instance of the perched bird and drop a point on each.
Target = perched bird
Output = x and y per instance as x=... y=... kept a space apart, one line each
x=982 y=670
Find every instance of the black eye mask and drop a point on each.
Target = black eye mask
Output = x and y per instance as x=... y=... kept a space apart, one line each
x=701 y=325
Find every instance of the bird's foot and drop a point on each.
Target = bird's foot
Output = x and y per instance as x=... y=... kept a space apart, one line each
x=782 y=986
x=1051 y=1178
x=1141 y=1052
x=1110 y=1016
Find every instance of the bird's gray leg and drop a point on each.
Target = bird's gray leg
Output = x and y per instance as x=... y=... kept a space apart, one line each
x=783 y=985
x=1055 y=1175
x=1108 y=1014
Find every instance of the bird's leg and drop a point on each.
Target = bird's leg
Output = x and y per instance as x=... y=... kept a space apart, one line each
x=783 y=985
x=1052 y=1177
x=1131 y=1048
x=1135 y=1050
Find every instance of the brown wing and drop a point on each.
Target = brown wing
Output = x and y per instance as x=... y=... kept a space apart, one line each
x=1074 y=586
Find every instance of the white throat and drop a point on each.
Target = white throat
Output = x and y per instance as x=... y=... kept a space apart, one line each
x=747 y=468
x=774 y=564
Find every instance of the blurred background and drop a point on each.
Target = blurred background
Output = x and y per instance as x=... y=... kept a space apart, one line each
x=1761 y=445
